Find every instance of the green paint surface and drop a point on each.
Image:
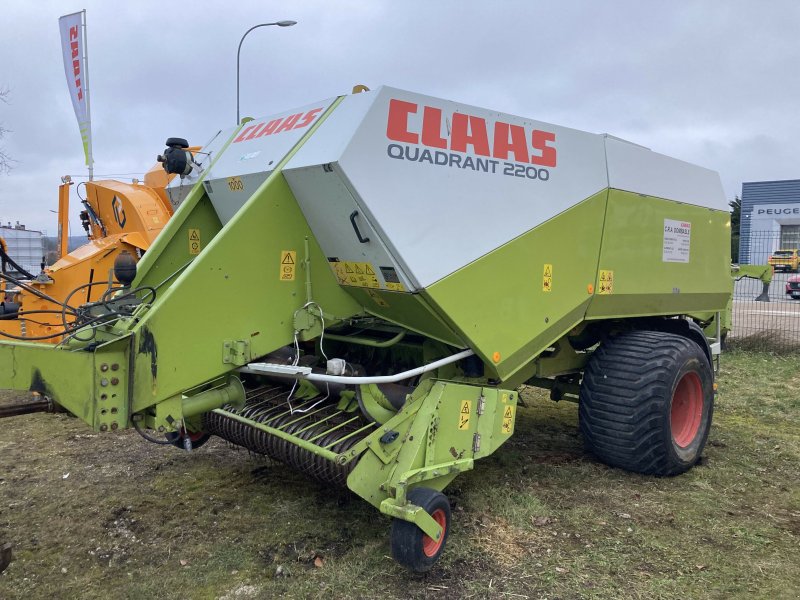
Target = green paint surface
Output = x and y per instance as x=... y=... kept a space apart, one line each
x=499 y=302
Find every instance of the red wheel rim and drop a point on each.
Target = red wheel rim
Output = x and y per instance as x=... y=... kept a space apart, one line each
x=194 y=436
x=431 y=546
x=686 y=413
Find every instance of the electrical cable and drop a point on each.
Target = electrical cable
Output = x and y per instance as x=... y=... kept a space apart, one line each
x=104 y=298
x=34 y=291
x=77 y=191
x=69 y=297
x=148 y=438
x=6 y=258
x=174 y=274
x=24 y=316
x=297 y=359
x=71 y=333
x=74 y=334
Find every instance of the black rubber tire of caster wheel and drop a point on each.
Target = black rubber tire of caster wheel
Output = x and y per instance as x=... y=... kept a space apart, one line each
x=198 y=439
x=411 y=547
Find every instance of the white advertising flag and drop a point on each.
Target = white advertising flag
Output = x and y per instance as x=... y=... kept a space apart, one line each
x=73 y=46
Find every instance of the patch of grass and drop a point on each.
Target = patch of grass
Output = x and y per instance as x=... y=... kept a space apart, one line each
x=538 y=519
x=768 y=340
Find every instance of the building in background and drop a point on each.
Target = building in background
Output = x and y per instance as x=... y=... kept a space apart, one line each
x=25 y=246
x=770 y=219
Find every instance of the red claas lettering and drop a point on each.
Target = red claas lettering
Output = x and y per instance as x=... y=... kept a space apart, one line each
x=470 y=133
x=295 y=121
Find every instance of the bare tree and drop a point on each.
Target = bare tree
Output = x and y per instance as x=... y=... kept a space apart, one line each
x=5 y=159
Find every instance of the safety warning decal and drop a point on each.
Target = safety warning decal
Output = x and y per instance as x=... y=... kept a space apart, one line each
x=377 y=298
x=288 y=265
x=606 y=282
x=235 y=184
x=464 y=414
x=508 y=420
x=194 y=241
x=358 y=274
x=547 y=278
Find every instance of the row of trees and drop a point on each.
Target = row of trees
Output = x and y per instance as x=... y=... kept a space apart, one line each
x=736 y=215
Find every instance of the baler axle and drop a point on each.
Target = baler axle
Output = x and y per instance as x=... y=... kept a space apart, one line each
x=26 y=408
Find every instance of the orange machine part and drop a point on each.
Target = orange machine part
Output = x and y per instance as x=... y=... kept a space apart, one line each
x=132 y=214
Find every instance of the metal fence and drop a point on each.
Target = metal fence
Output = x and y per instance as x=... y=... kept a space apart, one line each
x=772 y=325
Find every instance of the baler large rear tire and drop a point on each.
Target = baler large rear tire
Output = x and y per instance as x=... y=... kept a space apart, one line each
x=646 y=402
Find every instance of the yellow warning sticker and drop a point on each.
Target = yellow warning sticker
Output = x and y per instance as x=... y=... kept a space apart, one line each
x=288 y=265
x=395 y=287
x=464 y=414
x=377 y=298
x=358 y=274
x=235 y=184
x=547 y=278
x=606 y=282
x=194 y=241
x=508 y=420
x=504 y=397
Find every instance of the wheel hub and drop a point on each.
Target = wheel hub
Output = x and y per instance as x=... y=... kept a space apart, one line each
x=431 y=546
x=687 y=410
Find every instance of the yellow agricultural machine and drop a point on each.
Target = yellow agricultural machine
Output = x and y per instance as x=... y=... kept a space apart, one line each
x=387 y=269
x=117 y=217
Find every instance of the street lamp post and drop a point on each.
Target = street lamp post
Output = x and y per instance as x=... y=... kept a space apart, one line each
x=239 y=51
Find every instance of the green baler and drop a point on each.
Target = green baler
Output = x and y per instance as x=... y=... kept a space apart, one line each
x=358 y=288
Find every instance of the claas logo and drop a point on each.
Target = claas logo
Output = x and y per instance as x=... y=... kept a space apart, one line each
x=470 y=133
x=295 y=121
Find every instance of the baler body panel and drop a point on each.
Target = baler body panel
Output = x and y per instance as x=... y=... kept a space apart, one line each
x=329 y=207
x=536 y=287
x=254 y=153
x=434 y=215
x=261 y=317
x=663 y=257
x=633 y=168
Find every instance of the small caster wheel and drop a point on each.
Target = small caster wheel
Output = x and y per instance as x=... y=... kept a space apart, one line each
x=411 y=547
x=178 y=439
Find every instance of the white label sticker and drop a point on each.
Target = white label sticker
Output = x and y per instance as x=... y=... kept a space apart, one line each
x=677 y=236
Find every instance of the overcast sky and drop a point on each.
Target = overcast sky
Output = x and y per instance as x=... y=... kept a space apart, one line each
x=716 y=83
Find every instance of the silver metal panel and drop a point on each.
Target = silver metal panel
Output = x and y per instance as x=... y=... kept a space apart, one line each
x=229 y=196
x=327 y=203
x=437 y=218
x=253 y=154
x=632 y=168
x=444 y=183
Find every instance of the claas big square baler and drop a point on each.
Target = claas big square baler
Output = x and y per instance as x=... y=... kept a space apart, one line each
x=359 y=287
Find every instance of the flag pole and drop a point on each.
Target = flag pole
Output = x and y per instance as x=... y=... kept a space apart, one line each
x=88 y=105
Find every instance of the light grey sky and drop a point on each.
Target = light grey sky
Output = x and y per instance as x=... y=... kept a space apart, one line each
x=716 y=83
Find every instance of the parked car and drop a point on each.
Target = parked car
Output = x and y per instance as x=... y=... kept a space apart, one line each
x=785 y=260
x=793 y=287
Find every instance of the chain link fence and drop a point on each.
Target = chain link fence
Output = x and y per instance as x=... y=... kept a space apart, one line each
x=772 y=323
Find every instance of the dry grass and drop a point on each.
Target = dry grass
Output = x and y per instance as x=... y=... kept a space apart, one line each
x=770 y=340
x=539 y=519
